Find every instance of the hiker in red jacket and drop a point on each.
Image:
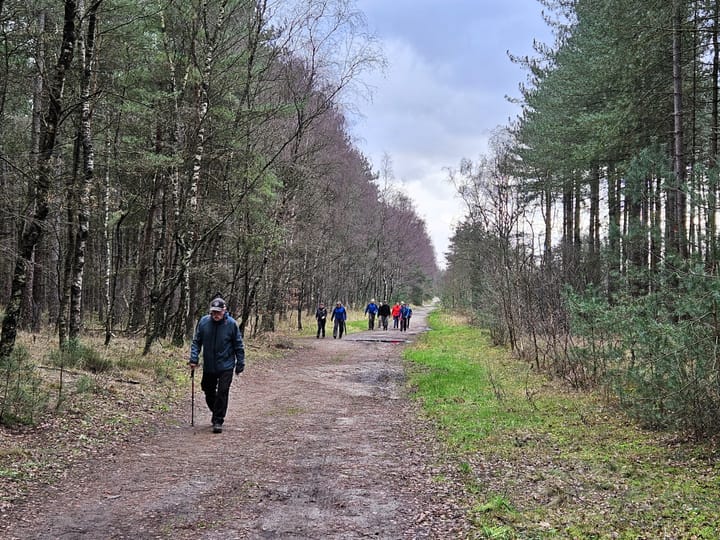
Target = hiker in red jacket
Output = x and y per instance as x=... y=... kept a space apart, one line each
x=396 y=315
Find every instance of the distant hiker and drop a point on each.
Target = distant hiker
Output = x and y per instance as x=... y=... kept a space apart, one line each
x=218 y=336
x=408 y=315
x=396 y=314
x=338 y=315
x=404 y=316
x=371 y=311
x=384 y=312
x=321 y=316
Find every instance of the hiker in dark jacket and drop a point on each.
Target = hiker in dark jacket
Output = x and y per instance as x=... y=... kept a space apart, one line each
x=321 y=316
x=384 y=312
x=218 y=336
x=338 y=315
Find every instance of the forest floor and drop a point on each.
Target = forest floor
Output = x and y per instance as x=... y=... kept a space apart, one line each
x=323 y=442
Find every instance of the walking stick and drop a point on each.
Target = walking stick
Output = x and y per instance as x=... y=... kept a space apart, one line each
x=192 y=397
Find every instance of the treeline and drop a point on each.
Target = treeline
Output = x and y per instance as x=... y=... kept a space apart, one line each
x=591 y=242
x=155 y=152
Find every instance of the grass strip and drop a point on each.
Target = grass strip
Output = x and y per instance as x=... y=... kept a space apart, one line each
x=542 y=461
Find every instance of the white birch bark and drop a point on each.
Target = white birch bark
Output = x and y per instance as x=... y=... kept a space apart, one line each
x=108 y=247
x=86 y=50
x=188 y=240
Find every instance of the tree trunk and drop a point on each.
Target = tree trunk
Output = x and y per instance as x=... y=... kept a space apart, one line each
x=87 y=49
x=656 y=228
x=675 y=212
x=109 y=298
x=635 y=237
x=568 y=227
x=547 y=217
x=72 y=203
x=711 y=249
x=33 y=231
x=594 y=225
x=188 y=237
x=613 y=191
x=28 y=318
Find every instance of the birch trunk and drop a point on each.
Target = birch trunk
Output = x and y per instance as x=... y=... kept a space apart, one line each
x=187 y=240
x=108 y=249
x=87 y=49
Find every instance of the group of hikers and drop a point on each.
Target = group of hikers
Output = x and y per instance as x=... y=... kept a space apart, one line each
x=217 y=336
x=400 y=313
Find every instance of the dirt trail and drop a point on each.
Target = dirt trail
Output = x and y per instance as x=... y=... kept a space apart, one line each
x=322 y=444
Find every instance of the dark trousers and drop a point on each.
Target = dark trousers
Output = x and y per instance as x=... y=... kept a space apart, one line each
x=403 y=324
x=371 y=322
x=384 y=321
x=217 y=390
x=338 y=329
x=395 y=321
x=321 y=327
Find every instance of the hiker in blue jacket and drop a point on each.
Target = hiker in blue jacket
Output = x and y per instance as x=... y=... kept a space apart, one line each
x=219 y=337
x=405 y=313
x=339 y=315
x=371 y=310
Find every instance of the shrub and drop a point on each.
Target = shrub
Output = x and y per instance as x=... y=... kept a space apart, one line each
x=76 y=355
x=657 y=352
x=22 y=398
x=85 y=385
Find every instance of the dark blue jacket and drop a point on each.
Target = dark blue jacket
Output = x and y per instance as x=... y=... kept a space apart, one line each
x=371 y=308
x=221 y=344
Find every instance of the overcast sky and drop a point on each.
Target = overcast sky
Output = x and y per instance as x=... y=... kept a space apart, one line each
x=444 y=92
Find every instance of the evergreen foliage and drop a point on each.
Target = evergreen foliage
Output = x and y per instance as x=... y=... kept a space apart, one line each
x=22 y=396
x=608 y=273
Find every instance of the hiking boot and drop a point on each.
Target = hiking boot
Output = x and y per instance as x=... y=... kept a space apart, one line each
x=217 y=428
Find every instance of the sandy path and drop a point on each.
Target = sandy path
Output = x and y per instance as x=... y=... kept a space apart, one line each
x=321 y=444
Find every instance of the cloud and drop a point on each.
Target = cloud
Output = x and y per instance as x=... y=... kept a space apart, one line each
x=426 y=125
x=443 y=94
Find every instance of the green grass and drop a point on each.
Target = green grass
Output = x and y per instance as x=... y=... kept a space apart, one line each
x=356 y=325
x=461 y=382
x=541 y=461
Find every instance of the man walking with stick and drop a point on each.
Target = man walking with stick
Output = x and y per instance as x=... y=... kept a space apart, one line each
x=218 y=336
